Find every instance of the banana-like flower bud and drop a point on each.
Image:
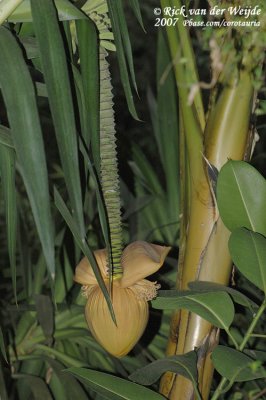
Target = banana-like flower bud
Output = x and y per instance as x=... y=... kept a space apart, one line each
x=130 y=295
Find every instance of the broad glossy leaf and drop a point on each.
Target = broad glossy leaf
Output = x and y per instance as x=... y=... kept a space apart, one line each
x=55 y=70
x=256 y=354
x=248 y=251
x=185 y=365
x=236 y=366
x=237 y=296
x=19 y=96
x=112 y=387
x=8 y=174
x=241 y=197
x=66 y=11
x=215 y=307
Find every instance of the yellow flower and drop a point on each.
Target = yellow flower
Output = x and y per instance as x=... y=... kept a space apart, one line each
x=130 y=295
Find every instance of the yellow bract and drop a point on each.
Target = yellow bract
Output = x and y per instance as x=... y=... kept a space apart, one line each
x=130 y=295
x=131 y=317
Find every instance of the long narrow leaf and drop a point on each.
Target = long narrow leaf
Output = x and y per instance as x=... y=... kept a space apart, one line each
x=112 y=7
x=167 y=114
x=66 y=11
x=89 y=65
x=53 y=59
x=3 y=392
x=83 y=246
x=72 y=386
x=2 y=344
x=38 y=387
x=136 y=9
x=7 y=171
x=18 y=92
x=100 y=201
x=5 y=137
x=120 y=15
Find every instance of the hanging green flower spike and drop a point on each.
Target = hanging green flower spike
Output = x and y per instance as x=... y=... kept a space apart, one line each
x=126 y=272
x=108 y=153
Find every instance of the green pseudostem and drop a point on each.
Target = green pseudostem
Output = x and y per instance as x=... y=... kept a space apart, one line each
x=108 y=156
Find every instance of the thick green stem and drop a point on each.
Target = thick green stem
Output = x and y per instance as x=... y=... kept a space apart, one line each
x=206 y=255
x=184 y=45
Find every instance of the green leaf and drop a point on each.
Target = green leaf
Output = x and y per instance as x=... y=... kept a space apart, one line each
x=8 y=173
x=57 y=388
x=136 y=9
x=45 y=314
x=37 y=386
x=238 y=297
x=215 y=307
x=81 y=242
x=236 y=366
x=256 y=354
x=185 y=365
x=19 y=96
x=248 y=252
x=118 y=10
x=120 y=31
x=66 y=11
x=241 y=197
x=100 y=202
x=89 y=65
x=112 y=387
x=145 y=171
x=55 y=70
x=72 y=388
x=2 y=344
x=63 y=278
x=5 y=137
x=31 y=47
x=167 y=115
x=3 y=391
x=60 y=356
